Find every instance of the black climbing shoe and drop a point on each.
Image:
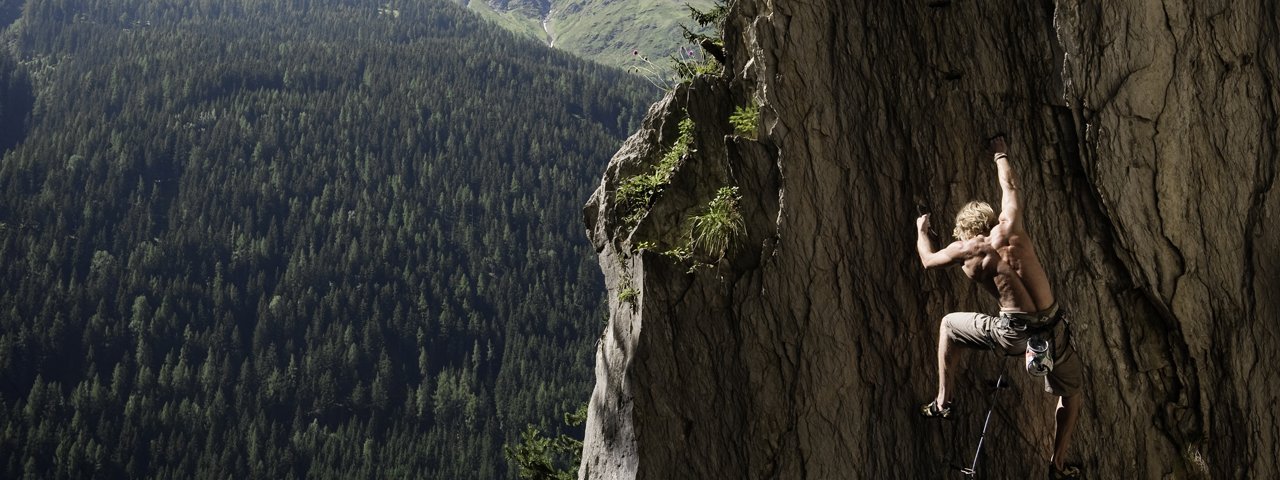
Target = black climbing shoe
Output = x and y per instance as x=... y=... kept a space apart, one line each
x=932 y=410
x=1068 y=472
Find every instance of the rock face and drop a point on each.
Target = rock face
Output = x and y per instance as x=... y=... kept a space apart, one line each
x=1145 y=136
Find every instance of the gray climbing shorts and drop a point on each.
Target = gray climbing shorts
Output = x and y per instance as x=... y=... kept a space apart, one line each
x=985 y=332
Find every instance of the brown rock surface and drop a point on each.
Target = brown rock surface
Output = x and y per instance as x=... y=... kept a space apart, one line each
x=1145 y=135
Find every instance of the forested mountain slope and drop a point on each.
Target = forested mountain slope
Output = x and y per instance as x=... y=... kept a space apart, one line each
x=323 y=239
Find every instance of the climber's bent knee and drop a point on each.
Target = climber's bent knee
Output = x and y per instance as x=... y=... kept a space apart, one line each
x=969 y=329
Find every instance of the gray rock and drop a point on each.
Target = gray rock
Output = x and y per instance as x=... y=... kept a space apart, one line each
x=1145 y=135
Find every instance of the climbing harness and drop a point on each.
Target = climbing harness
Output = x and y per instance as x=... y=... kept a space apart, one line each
x=1039 y=352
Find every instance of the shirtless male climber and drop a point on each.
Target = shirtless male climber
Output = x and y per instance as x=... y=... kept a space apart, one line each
x=998 y=254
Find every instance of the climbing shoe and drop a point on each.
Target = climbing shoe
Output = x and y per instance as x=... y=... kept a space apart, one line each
x=1068 y=472
x=932 y=410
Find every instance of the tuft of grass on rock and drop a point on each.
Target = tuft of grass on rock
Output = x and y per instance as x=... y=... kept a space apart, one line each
x=628 y=295
x=713 y=231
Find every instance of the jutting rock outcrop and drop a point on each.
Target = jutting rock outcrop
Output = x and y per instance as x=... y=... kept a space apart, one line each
x=1145 y=136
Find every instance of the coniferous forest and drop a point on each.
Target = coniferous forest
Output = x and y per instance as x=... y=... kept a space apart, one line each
x=299 y=239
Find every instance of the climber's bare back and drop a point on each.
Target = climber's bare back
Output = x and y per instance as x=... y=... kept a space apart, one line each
x=1004 y=263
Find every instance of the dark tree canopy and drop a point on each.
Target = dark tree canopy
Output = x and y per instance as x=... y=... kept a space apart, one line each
x=305 y=239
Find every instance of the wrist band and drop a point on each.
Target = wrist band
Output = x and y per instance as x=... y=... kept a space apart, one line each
x=999 y=155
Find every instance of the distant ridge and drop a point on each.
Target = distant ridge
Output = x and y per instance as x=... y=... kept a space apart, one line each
x=606 y=31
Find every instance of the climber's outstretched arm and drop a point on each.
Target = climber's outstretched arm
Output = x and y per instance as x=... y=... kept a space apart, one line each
x=1010 y=201
x=930 y=258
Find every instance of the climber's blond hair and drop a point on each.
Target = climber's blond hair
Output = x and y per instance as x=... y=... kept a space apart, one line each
x=976 y=218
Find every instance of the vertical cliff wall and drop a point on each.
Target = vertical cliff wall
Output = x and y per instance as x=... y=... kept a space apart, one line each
x=1145 y=136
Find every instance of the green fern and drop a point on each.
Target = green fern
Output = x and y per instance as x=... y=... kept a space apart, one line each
x=745 y=121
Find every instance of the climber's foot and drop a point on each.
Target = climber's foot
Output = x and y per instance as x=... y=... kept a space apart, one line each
x=1066 y=472
x=932 y=410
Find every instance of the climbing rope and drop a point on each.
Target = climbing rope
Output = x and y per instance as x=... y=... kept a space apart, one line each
x=972 y=471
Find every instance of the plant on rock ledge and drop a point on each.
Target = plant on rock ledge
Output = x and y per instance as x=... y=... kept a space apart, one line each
x=745 y=121
x=628 y=296
x=713 y=231
x=635 y=194
x=710 y=59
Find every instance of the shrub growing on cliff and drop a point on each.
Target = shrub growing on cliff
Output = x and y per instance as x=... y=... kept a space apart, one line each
x=536 y=457
x=707 y=57
x=745 y=121
x=714 y=230
x=712 y=17
x=628 y=295
x=635 y=194
x=703 y=56
x=690 y=64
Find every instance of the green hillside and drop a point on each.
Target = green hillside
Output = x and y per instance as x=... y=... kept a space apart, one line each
x=607 y=31
x=521 y=21
x=308 y=239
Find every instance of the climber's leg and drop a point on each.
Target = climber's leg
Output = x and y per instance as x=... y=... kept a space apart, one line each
x=1065 y=418
x=957 y=332
x=947 y=357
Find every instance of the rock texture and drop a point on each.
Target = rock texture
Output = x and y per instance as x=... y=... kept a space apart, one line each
x=1145 y=135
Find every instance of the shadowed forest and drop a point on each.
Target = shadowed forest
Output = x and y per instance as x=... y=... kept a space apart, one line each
x=306 y=239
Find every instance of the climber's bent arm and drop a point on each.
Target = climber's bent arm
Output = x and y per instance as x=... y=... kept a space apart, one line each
x=929 y=258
